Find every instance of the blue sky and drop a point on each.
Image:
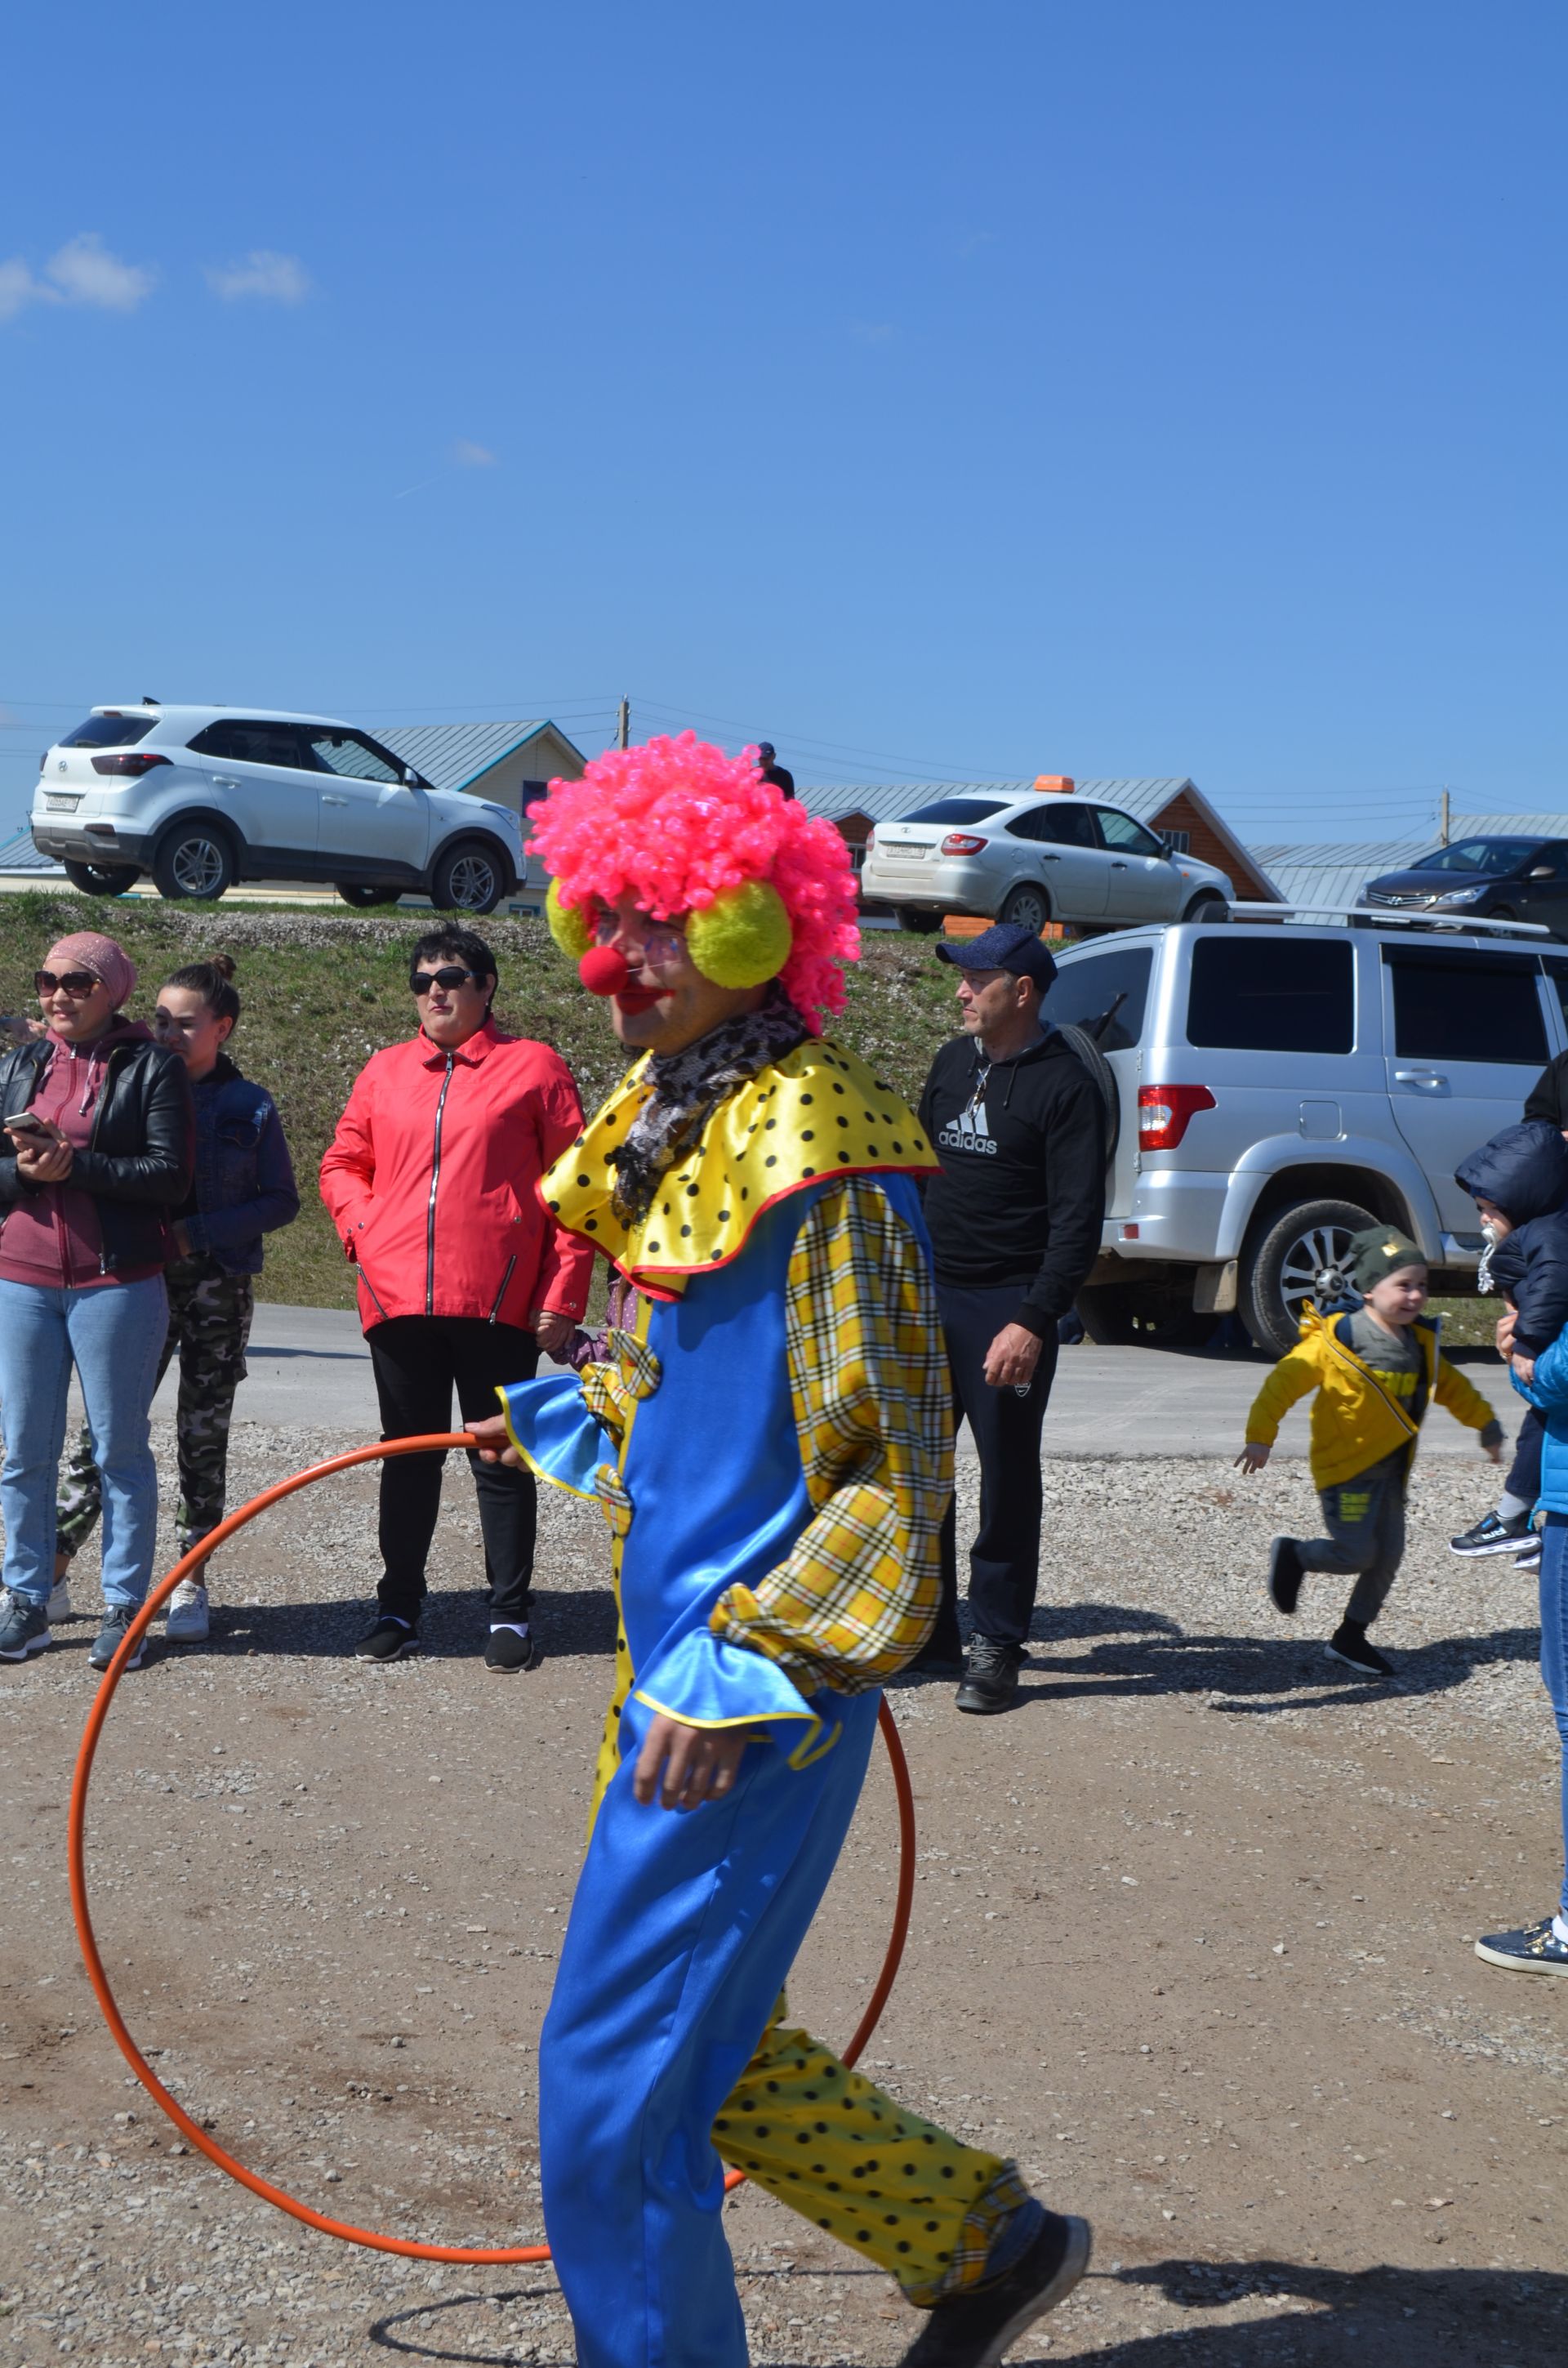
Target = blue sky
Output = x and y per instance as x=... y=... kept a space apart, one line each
x=941 y=392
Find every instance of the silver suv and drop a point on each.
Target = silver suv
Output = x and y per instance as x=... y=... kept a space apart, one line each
x=1273 y=1087
x=203 y=796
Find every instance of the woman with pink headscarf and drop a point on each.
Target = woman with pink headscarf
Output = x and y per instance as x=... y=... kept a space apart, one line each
x=97 y=1144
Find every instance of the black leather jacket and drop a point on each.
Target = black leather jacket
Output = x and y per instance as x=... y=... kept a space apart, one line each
x=142 y=1154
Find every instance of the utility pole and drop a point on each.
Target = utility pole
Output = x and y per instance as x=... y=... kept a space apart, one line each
x=623 y=730
x=1442 y=815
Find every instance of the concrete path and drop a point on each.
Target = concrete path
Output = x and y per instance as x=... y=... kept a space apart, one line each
x=311 y=1365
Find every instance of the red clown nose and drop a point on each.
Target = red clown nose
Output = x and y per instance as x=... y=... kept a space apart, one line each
x=604 y=970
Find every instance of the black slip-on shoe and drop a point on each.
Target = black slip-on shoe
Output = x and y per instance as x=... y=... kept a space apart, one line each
x=504 y=1649
x=991 y=1677
x=389 y=1640
x=1284 y=1574
x=974 y=2329
x=111 y=1635
x=1535 y=1950
x=1348 y=1643
x=1492 y=1535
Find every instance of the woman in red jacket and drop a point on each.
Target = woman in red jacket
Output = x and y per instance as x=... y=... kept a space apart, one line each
x=463 y=1277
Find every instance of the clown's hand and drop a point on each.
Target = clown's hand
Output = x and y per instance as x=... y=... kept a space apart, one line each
x=493 y=1442
x=698 y=1763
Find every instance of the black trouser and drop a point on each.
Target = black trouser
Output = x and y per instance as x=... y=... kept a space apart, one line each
x=1004 y=1562
x=1524 y=1473
x=418 y=1362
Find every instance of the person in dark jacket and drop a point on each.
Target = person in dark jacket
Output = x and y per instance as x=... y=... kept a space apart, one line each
x=96 y=1152
x=1015 y=1222
x=769 y=766
x=1519 y=1182
x=243 y=1189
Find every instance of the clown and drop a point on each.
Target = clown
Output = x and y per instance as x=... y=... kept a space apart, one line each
x=766 y=1426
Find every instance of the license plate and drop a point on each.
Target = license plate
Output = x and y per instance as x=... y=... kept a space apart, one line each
x=54 y=803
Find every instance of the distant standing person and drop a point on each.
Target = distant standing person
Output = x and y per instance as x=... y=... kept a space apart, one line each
x=1014 y=1220
x=244 y=1187
x=767 y=765
x=463 y=1277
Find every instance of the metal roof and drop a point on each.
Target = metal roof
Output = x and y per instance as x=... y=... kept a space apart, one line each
x=450 y=756
x=1371 y=855
x=1514 y=826
x=884 y=803
x=17 y=853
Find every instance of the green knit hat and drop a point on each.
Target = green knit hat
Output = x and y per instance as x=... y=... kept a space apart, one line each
x=1381 y=1251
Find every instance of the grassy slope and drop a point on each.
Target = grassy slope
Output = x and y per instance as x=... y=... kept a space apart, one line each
x=323 y=991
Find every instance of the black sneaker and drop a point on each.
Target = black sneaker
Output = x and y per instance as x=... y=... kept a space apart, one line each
x=1284 y=1574
x=1536 y=1950
x=24 y=1628
x=975 y=2328
x=111 y=1635
x=1348 y=1643
x=1492 y=1535
x=991 y=1677
x=389 y=1640
x=504 y=1649
x=1528 y=1559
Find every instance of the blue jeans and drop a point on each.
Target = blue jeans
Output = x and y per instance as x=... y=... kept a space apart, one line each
x=1554 y=1650
x=113 y=1336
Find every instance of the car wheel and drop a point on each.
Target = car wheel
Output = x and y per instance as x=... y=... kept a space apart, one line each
x=1144 y=1316
x=194 y=859
x=1027 y=907
x=1502 y=913
x=102 y=878
x=918 y=919
x=467 y=877
x=1207 y=908
x=1103 y=1075
x=1282 y=1261
x=361 y=894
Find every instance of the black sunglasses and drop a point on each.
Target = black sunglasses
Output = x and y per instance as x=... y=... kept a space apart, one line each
x=79 y=983
x=450 y=975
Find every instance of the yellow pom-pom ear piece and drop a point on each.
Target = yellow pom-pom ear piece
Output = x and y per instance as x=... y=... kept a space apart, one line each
x=744 y=938
x=568 y=925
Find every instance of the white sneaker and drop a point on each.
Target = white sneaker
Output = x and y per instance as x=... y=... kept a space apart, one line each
x=59 y=1601
x=187 y=1622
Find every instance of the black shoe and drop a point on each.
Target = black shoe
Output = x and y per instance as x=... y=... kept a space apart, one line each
x=1536 y=1950
x=1492 y=1535
x=990 y=1679
x=1284 y=1574
x=1348 y=1643
x=975 y=2328
x=111 y=1635
x=389 y=1640
x=504 y=1649
x=1528 y=1559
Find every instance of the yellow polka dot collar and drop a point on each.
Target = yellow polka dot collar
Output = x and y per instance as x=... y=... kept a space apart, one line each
x=818 y=1111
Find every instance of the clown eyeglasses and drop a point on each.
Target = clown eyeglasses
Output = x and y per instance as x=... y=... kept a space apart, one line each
x=78 y=983
x=658 y=948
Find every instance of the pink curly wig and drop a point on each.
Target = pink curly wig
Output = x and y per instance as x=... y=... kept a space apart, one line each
x=673 y=822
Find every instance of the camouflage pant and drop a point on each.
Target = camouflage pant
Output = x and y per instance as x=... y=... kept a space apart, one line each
x=209 y=1319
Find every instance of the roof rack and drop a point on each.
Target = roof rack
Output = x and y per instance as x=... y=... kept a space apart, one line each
x=1375 y=917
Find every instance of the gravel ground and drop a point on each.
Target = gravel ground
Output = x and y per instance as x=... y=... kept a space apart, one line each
x=1191 y=1939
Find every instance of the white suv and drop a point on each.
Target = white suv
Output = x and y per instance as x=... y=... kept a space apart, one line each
x=203 y=796
x=1042 y=857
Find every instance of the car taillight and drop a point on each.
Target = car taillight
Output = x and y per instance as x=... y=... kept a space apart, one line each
x=131 y=762
x=962 y=842
x=1165 y=1112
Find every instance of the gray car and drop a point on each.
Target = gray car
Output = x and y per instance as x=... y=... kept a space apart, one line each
x=1042 y=857
x=1273 y=1087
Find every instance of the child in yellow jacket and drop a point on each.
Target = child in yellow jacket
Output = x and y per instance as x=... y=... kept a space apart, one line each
x=1375 y=1372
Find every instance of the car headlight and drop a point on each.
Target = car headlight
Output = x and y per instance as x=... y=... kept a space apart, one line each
x=1461 y=895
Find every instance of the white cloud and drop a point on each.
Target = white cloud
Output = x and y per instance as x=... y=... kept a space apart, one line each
x=85 y=272
x=278 y=278
x=18 y=289
x=472 y=456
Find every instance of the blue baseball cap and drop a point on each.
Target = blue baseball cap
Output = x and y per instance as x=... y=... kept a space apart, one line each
x=1007 y=945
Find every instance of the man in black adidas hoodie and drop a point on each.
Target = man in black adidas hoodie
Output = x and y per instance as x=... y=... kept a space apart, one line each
x=1015 y=1222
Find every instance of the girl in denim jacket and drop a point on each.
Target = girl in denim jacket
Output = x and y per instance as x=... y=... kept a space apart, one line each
x=244 y=1187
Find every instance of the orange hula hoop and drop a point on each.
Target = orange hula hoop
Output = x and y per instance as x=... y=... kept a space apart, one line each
x=158 y=1596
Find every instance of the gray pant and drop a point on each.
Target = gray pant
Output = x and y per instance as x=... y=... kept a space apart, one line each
x=1364 y=1518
